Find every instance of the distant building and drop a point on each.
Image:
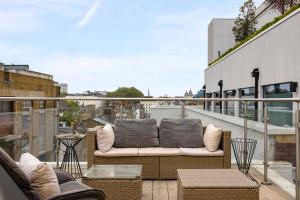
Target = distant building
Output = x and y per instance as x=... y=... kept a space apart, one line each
x=63 y=88
x=188 y=94
x=200 y=94
x=17 y=116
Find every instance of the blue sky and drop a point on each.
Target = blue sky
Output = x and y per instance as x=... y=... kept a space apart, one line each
x=105 y=44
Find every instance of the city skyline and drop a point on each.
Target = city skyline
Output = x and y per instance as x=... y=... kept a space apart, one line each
x=106 y=44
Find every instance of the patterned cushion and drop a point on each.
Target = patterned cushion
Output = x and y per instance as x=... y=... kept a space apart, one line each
x=136 y=133
x=175 y=133
x=17 y=175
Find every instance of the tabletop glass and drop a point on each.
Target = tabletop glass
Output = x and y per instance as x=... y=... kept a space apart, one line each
x=114 y=172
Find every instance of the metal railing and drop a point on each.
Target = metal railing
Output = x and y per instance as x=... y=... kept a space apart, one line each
x=183 y=101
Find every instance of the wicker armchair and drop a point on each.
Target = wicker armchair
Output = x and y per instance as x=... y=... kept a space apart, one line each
x=15 y=185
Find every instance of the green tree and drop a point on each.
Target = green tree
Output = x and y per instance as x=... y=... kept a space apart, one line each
x=126 y=92
x=70 y=115
x=245 y=22
x=281 y=5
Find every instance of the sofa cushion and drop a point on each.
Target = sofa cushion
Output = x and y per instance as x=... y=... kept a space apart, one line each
x=19 y=177
x=212 y=137
x=105 y=138
x=42 y=177
x=200 y=152
x=136 y=133
x=158 y=151
x=175 y=133
x=117 y=152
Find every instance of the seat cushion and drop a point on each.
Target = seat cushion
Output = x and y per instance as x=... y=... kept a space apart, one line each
x=42 y=177
x=116 y=152
x=19 y=177
x=71 y=186
x=175 y=133
x=136 y=133
x=158 y=151
x=105 y=138
x=200 y=152
x=212 y=137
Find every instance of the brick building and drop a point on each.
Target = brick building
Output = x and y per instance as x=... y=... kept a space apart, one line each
x=22 y=121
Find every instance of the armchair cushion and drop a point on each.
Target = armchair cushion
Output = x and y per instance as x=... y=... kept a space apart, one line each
x=73 y=190
x=14 y=171
x=41 y=175
x=63 y=177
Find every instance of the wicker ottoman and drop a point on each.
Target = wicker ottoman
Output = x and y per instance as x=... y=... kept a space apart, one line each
x=215 y=184
x=116 y=181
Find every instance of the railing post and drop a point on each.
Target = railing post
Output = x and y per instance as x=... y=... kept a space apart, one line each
x=297 y=182
x=245 y=134
x=182 y=109
x=56 y=132
x=30 y=121
x=266 y=142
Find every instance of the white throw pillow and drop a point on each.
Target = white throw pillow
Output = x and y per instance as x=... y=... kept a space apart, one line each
x=42 y=177
x=105 y=138
x=212 y=137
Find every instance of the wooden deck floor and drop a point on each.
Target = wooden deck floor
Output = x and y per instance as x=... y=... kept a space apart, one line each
x=167 y=190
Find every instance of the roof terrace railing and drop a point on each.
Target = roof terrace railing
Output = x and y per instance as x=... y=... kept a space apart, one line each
x=244 y=107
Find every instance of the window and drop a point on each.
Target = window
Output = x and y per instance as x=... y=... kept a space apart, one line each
x=6 y=106
x=280 y=113
x=217 y=103
x=208 y=106
x=6 y=76
x=26 y=105
x=42 y=104
x=229 y=105
x=247 y=93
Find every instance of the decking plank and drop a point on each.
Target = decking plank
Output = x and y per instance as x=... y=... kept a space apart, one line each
x=160 y=190
x=147 y=190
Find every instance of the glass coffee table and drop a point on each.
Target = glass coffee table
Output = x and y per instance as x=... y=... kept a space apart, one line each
x=116 y=181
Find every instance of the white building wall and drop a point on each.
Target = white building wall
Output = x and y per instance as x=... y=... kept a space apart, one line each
x=275 y=52
x=220 y=37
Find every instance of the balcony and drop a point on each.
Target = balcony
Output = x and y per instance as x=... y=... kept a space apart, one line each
x=34 y=130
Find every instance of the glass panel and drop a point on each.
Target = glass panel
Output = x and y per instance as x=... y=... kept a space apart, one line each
x=113 y=172
x=280 y=112
x=251 y=110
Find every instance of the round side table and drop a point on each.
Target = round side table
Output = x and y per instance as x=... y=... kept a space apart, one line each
x=70 y=162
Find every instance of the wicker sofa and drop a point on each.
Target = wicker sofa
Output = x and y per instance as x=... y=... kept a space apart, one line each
x=162 y=163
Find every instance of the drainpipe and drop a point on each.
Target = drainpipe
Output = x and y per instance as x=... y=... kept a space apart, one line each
x=255 y=74
x=204 y=95
x=220 y=84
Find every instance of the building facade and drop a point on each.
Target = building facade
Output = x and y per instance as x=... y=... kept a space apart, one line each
x=18 y=116
x=264 y=67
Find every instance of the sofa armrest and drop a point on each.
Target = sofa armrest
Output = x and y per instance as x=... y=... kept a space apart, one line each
x=87 y=194
x=90 y=147
x=226 y=146
x=63 y=177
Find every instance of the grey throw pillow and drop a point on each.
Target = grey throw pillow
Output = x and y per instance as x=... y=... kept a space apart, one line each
x=175 y=133
x=136 y=133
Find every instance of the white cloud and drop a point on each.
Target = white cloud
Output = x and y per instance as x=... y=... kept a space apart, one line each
x=89 y=14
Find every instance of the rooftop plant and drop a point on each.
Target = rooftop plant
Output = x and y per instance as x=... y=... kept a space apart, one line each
x=266 y=26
